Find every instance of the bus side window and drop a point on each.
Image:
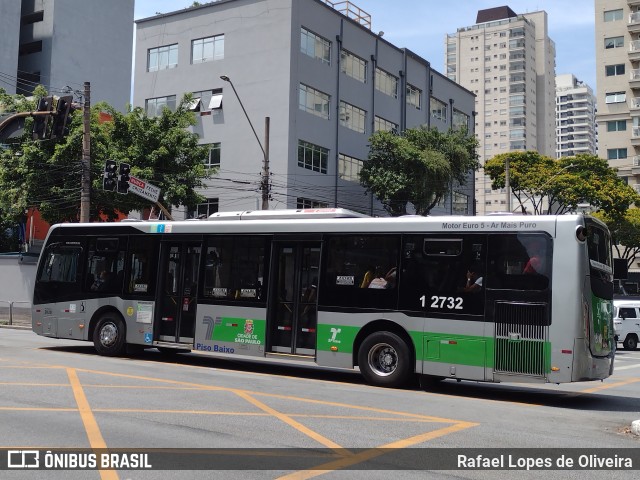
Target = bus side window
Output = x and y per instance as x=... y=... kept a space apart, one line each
x=234 y=269
x=436 y=273
x=61 y=264
x=105 y=264
x=519 y=262
x=142 y=261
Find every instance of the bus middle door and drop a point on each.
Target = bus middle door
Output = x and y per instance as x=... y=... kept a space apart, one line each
x=293 y=317
x=177 y=292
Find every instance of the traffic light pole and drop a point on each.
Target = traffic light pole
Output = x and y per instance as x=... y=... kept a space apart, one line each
x=85 y=182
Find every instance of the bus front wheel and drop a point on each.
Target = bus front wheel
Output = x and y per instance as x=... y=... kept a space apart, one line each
x=109 y=335
x=385 y=360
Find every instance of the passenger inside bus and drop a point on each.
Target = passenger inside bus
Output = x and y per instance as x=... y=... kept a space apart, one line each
x=101 y=281
x=536 y=251
x=474 y=280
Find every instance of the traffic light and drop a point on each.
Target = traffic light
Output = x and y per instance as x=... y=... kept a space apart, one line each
x=41 y=121
x=59 y=126
x=123 y=178
x=109 y=180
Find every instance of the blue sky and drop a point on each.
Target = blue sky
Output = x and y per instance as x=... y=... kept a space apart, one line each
x=421 y=26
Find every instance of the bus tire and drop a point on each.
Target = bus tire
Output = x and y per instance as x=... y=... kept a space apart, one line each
x=109 y=335
x=385 y=360
x=631 y=342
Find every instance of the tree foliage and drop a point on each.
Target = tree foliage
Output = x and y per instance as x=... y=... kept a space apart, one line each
x=625 y=233
x=47 y=174
x=417 y=167
x=539 y=181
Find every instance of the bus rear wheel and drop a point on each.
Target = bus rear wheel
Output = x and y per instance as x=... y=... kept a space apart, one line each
x=631 y=342
x=109 y=335
x=385 y=360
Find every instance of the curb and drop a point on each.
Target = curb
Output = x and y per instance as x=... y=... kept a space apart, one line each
x=16 y=327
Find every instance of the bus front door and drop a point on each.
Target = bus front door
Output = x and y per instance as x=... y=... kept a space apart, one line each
x=293 y=319
x=177 y=292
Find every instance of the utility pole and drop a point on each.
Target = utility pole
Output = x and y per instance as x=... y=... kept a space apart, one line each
x=264 y=181
x=85 y=189
x=507 y=183
x=265 y=167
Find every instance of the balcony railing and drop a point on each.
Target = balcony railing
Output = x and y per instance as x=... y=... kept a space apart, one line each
x=634 y=46
x=634 y=74
x=635 y=102
x=636 y=160
x=634 y=18
x=635 y=132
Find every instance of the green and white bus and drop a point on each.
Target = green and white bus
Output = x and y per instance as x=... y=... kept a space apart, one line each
x=339 y=289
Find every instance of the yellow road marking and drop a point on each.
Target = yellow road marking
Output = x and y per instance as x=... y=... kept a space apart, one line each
x=606 y=386
x=289 y=421
x=90 y=425
x=376 y=452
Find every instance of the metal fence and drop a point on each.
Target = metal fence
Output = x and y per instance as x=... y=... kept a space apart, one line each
x=15 y=312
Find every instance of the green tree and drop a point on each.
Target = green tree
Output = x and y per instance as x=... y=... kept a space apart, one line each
x=539 y=181
x=625 y=232
x=417 y=167
x=161 y=150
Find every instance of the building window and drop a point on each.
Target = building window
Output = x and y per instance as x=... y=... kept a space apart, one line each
x=613 y=15
x=312 y=157
x=616 y=153
x=154 y=106
x=349 y=168
x=613 y=70
x=204 y=210
x=460 y=203
x=352 y=117
x=386 y=83
x=614 y=42
x=206 y=100
x=615 y=97
x=438 y=109
x=161 y=58
x=380 y=124
x=460 y=120
x=308 y=203
x=616 y=126
x=315 y=46
x=214 y=156
x=314 y=101
x=207 y=49
x=353 y=66
x=414 y=97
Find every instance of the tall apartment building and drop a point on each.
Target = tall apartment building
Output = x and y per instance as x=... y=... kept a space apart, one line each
x=575 y=117
x=617 y=26
x=63 y=43
x=325 y=80
x=508 y=61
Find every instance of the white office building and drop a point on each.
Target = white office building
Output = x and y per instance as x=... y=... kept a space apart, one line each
x=508 y=61
x=575 y=117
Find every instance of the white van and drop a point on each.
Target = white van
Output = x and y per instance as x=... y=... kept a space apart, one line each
x=626 y=322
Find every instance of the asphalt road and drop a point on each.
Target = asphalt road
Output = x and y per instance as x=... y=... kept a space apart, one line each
x=60 y=394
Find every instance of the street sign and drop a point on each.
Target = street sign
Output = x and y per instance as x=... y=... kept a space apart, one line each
x=143 y=189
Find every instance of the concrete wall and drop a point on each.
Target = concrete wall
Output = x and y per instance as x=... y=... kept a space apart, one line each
x=16 y=280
